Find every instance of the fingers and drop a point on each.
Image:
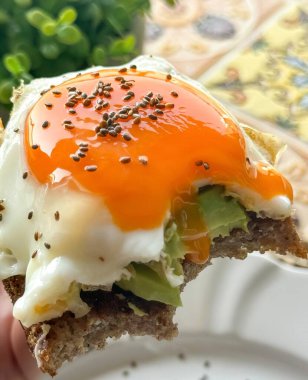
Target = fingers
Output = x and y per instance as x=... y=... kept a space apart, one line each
x=21 y=352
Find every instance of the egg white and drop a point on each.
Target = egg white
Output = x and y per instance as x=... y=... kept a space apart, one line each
x=86 y=246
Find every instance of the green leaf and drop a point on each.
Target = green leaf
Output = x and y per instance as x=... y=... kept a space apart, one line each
x=13 y=64
x=49 y=28
x=221 y=214
x=6 y=87
x=24 y=59
x=50 y=50
x=67 y=16
x=68 y=34
x=23 y=3
x=147 y=284
x=123 y=45
x=38 y=17
x=98 y=55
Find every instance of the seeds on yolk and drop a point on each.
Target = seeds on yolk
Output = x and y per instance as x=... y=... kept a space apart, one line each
x=134 y=139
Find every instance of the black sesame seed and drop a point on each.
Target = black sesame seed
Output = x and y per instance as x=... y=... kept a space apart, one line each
x=168 y=76
x=56 y=92
x=159 y=112
x=105 y=104
x=25 y=175
x=70 y=104
x=34 y=254
x=90 y=168
x=86 y=102
x=149 y=94
x=45 y=124
x=118 y=129
x=57 y=215
x=174 y=94
x=48 y=105
x=30 y=214
x=81 y=154
x=153 y=117
x=127 y=136
x=125 y=86
x=169 y=105
x=123 y=70
x=112 y=133
x=34 y=146
x=133 y=67
x=199 y=163
x=125 y=159
x=74 y=157
x=83 y=149
x=118 y=79
x=127 y=97
x=47 y=245
x=160 y=106
x=16 y=130
x=123 y=116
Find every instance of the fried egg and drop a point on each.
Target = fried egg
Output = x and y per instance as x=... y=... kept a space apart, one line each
x=90 y=165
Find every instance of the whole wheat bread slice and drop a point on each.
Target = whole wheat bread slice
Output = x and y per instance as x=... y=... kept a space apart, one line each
x=61 y=339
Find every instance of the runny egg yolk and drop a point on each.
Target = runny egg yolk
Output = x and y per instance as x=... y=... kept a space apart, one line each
x=139 y=140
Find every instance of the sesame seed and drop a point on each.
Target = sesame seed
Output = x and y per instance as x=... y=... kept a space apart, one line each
x=95 y=74
x=125 y=159
x=123 y=70
x=174 y=94
x=25 y=175
x=34 y=254
x=131 y=93
x=30 y=215
x=107 y=94
x=90 y=168
x=168 y=76
x=101 y=259
x=34 y=146
x=133 y=67
x=47 y=245
x=71 y=89
x=159 y=112
x=98 y=108
x=74 y=157
x=43 y=92
x=206 y=165
x=118 y=79
x=83 y=149
x=1 y=217
x=125 y=86
x=16 y=130
x=153 y=117
x=56 y=92
x=137 y=120
x=113 y=133
x=105 y=116
x=105 y=104
x=143 y=159
x=199 y=163
x=86 y=102
x=149 y=94
x=81 y=154
x=127 y=136
x=37 y=235
x=169 y=105
x=134 y=364
x=160 y=106
x=83 y=144
x=123 y=116
x=70 y=104
x=118 y=129
x=45 y=124
x=57 y=215
x=127 y=97
x=69 y=126
x=48 y=105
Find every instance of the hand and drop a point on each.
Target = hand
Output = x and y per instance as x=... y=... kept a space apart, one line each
x=16 y=362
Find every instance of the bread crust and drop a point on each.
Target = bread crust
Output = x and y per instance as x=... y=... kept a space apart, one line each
x=61 y=339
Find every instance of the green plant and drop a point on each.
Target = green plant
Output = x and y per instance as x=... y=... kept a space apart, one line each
x=46 y=38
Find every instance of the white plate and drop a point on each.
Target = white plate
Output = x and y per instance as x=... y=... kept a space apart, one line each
x=248 y=319
x=190 y=357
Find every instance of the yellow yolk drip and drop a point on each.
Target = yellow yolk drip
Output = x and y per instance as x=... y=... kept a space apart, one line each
x=169 y=136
